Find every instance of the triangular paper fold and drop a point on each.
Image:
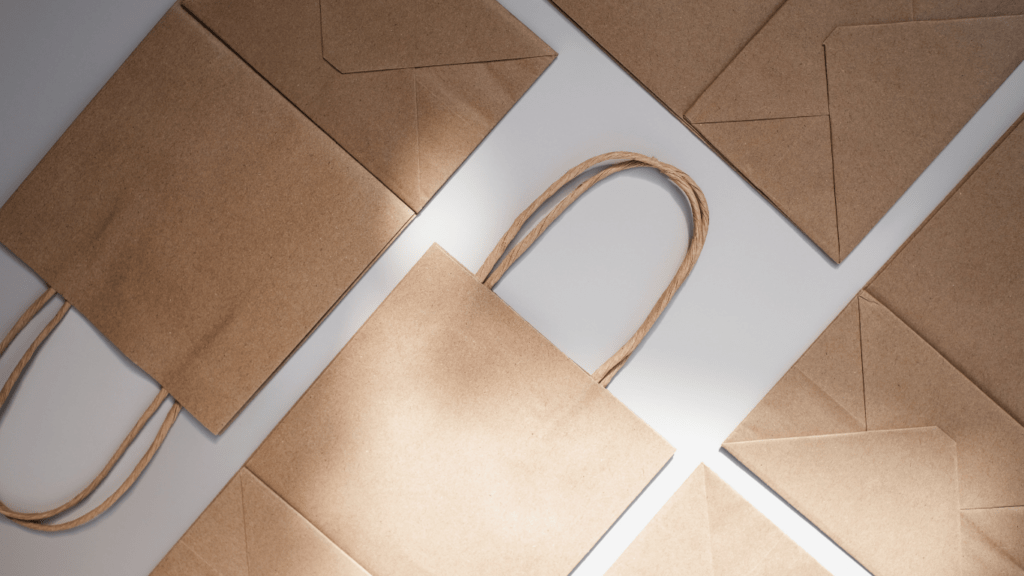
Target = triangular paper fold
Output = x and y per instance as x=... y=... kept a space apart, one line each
x=833 y=362
x=457 y=106
x=781 y=72
x=959 y=282
x=908 y=384
x=248 y=530
x=897 y=95
x=795 y=406
x=707 y=529
x=790 y=161
x=993 y=542
x=374 y=35
x=281 y=542
x=375 y=116
x=888 y=498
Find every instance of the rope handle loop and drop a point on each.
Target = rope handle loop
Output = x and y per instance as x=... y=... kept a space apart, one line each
x=491 y=271
x=33 y=520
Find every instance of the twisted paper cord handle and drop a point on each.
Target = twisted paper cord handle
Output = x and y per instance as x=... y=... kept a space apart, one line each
x=33 y=520
x=489 y=274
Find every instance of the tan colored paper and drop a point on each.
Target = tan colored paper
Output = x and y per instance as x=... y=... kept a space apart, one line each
x=408 y=88
x=889 y=498
x=150 y=217
x=449 y=437
x=791 y=93
x=956 y=294
x=959 y=282
x=205 y=225
x=707 y=529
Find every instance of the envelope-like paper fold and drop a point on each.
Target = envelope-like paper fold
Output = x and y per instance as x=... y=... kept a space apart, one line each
x=693 y=41
x=376 y=116
x=457 y=106
x=781 y=72
x=280 y=542
x=823 y=393
x=993 y=541
x=373 y=35
x=959 y=282
x=908 y=384
x=248 y=530
x=898 y=94
x=887 y=497
x=199 y=220
x=678 y=538
x=707 y=529
x=790 y=161
x=484 y=442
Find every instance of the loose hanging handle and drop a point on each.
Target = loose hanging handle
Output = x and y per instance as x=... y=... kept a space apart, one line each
x=489 y=274
x=34 y=520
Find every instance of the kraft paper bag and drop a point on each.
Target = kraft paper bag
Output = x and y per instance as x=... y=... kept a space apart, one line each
x=830 y=108
x=409 y=89
x=897 y=432
x=707 y=529
x=447 y=437
x=205 y=225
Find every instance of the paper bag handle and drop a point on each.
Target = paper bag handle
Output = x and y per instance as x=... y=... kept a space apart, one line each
x=492 y=271
x=34 y=520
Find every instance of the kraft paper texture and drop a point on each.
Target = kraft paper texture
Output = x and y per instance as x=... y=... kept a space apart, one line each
x=447 y=437
x=707 y=529
x=205 y=224
x=830 y=108
x=899 y=432
x=409 y=89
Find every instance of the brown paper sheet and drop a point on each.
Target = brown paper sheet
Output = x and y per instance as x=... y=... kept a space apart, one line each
x=447 y=437
x=831 y=108
x=948 y=302
x=205 y=225
x=407 y=88
x=707 y=529
x=148 y=215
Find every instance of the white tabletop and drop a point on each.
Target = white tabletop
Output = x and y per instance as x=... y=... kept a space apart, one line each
x=761 y=292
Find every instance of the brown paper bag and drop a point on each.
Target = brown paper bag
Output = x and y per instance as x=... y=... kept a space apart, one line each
x=205 y=225
x=899 y=432
x=447 y=437
x=830 y=108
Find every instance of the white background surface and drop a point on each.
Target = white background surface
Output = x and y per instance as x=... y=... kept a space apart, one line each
x=759 y=296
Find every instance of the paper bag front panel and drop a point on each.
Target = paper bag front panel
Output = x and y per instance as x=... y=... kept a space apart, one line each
x=199 y=220
x=450 y=437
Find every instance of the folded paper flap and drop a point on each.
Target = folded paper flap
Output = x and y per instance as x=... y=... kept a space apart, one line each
x=390 y=34
x=898 y=93
x=959 y=281
x=678 y=536
x=781 y=72
x=203 y=271
x=456 y=107
x=280 y=541
x=795 y=406
x=707 y=529
x=889 y=498
x=732 y=521
x=248 y=530
x=908 y=384
x=377 y=117
x=675 y=49
x=790 y=161
x=483 y=442
x=993 y=541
